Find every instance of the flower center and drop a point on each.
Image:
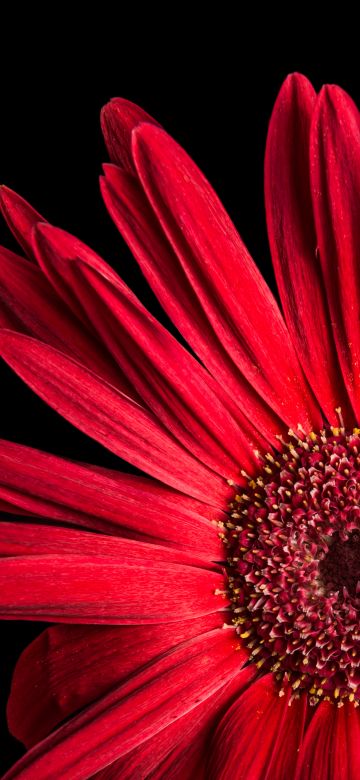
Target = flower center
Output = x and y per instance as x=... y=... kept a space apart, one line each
x=340 y=568
x=293 y=549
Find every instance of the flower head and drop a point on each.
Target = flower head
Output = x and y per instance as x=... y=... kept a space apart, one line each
x=208 y=613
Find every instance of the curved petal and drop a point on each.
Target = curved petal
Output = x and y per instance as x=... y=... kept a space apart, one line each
x=259 y=736
x=335 y=176
x=212 y=261
x=331 y=747
x=225 y=280
x=167 y=378
x=135 y=712
x=130 y=210
x=29 y=304
x=20 y=217
x=179 y=751
x=142 y=586
x=118 y=119
x=37 y=483
x=293 y=244
x=68 y=667
x=21 y=539
x=107 y=415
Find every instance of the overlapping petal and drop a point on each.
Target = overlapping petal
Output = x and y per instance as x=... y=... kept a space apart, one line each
x=259 y=736
x=168 y=379
x=20 y=217
x=335 y=178
x=21 y=539
x=68 y=667
x=293 y=244
x=95 y=588
x=331 y=745
x=179 y=751
x=135 y=219
x=110 y=417
x=208 y=251
x=118 y=119
x=29 y=304
x=36 y=483
x=134 y=712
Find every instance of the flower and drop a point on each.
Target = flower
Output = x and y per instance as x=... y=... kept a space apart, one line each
x=208 y=613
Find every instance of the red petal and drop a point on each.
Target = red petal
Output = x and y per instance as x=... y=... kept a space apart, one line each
x=259 y=736
x=293 y=244
x=19 y=539
x=133 y=589
x=20 y=217
x=108 y=416
x=331 y=746
x=29 y=304
x=118 y=119
x=68 y=667
x=227 y=283
x=168 y=379
x=335 y=169
x=135 y=712
x=180 y=750
x=133 y=216
x=108 y=501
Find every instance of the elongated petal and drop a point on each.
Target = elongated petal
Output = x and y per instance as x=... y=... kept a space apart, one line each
x=20 y=539
x=98 y=589
x=179 y=751
x=40 y=484
x=331 y=745
x=29 y=304
x=135 y=712
x=335 y=169
x=68 y=667
x=210 y=264
x=118 y=119
x=259 y=736
x=108 y=416
x=135 y=219
x=293 y=244
x=223 y=276
x=168 y=379
x=20 y=217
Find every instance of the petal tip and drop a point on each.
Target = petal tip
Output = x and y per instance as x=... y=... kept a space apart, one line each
x=296 y=84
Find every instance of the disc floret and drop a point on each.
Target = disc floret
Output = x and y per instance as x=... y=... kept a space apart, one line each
x=293 y=546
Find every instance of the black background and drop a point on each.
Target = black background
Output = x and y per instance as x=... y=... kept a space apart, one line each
x=51 y=152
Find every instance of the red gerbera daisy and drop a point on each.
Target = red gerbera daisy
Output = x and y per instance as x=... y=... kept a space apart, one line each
x=217 y=599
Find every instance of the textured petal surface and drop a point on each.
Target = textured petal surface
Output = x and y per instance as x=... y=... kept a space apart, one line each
x=331 y=748
x=335 y=169
x=20 y=217
x=118 y=119
x=167 y=378
x=135 y=712
x=224 y=278
x=293 y=244
x=259 y=736
x=21 y=539
x=135 y=219
x=35 y=483
x=68 y=667
x=179 y=751
x=214 y=263
x=108 y=416
x=140 y=587
x=29 y=304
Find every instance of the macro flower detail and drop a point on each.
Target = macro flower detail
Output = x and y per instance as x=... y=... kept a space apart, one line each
x=295 y=565
x=206 y=612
